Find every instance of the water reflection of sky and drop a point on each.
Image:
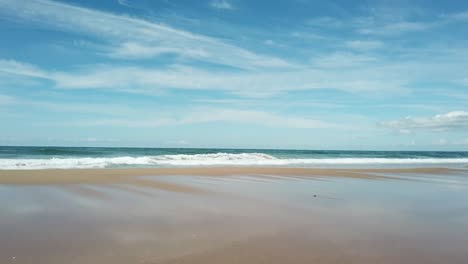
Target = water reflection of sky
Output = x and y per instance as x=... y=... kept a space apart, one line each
x=424 y=213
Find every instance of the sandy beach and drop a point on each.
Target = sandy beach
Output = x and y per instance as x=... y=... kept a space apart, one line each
x=233 y=132
x=234 y=215
x=96 y=176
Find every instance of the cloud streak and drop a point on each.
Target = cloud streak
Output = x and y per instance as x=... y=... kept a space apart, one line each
x=20 y=68
x=450 y=121
x=247 y=84
x=106 y=114
x=221 y=4
x=262 y=75
x=364 y=45
x=123 y=3
x=132 y=37
x=6 y=100
x=210 y=115
x=388 y=22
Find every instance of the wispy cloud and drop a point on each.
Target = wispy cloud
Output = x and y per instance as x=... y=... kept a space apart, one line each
x=135 y=50
x=134 y=37
x=109 y=114
x=6 y=100
x=364 y=44
x=395 y=28
x=325 y=22
x=343 y=60
x=456 y=17
x=221 y=4
x=386 y=21
x=442 y=122
x=209 y=115
x=20 y=68
x=130 y=38
x=123 y=3
x=351 y=68
x=248 y=84
x=351 y=72
x=97 y=109
x=306 y=35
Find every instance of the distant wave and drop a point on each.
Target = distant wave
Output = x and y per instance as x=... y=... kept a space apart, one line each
x=217 y=159
x=58 y=151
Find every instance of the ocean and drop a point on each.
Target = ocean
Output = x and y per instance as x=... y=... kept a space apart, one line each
x=103 y=157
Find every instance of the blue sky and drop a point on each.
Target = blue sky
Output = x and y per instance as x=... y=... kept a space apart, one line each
x=386 y=75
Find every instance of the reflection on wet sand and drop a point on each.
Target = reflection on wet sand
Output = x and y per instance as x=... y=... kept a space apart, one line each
x=246 y=215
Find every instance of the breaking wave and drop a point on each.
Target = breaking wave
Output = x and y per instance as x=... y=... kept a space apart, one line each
x=217 y=159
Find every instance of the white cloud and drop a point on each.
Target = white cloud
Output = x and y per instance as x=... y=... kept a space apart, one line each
x=105 y=114
x=20 y=68
x=270 y=42
x=328 y=22
x=182 y=142
x=72 y=107
x=442 y=122
x=464 y=81
x=455 y=142
x=456 y=17
x=257 y=117
x=384 y=22
x=208 y=115
x=306 y=35
x=344 y=71
x=134 y=37
x=364 y=44
x=343 y=59
x=134 y=50
x=221 y=4
x=6 y=100
x=404 y=131
x=250 y=84
x=441 y=142
x=123 y=3
x=395 y=28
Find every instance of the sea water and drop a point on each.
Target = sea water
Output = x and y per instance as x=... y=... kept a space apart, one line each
x=111 y=157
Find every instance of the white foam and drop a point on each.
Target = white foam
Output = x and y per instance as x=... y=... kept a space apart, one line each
x=242 y=159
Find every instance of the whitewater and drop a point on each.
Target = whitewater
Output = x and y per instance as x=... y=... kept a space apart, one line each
x=219 y=159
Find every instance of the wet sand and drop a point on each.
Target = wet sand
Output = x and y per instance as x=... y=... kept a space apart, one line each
x=234 y=215
x=101 y=176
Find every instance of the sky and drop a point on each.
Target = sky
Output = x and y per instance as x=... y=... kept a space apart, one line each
x=361 y=75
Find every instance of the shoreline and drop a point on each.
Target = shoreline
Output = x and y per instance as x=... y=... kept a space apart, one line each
x=233 y=215
x=129 y=175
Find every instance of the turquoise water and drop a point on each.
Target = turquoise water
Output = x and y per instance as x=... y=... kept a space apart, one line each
x=100 y=157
